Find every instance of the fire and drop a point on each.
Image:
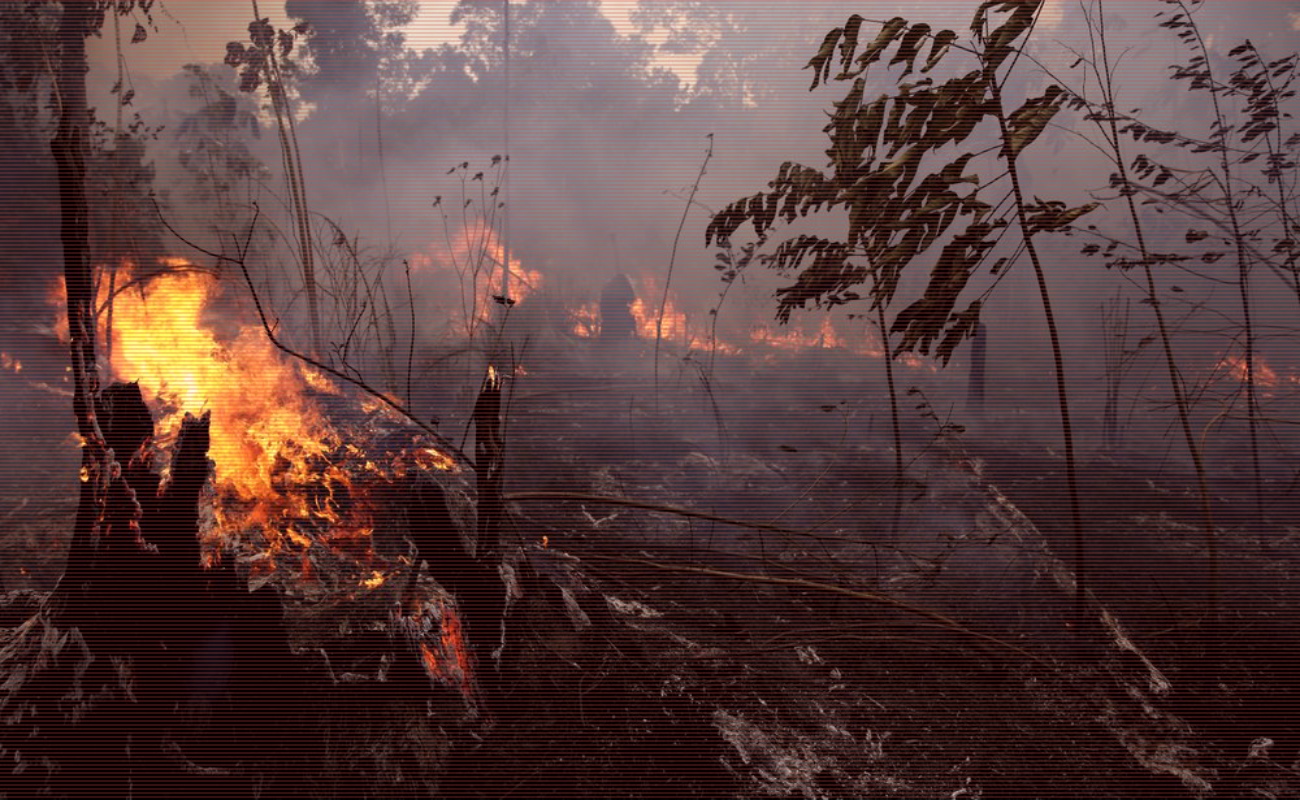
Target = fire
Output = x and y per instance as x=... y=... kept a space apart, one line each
x=1236 y=368
x=793 y=338
x=264 y=427
x=474 y=259
x=645 y=310
x=10 y=363
x=1233 y=366
x=431 y=664
x=453 y=641
x=278 y=463
x=585 y=321
x=452 y=662
x=763 y=340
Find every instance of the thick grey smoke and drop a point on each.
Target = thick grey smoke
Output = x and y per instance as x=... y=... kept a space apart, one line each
x=604 y=147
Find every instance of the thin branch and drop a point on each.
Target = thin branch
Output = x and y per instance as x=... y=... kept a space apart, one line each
x=520 y=497
x=829 y=588
x=270 y=334
x=672 y=260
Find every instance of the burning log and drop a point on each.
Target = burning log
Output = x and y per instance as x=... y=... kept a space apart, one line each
x=478 y=587
x=474 y=579
x=160 y=651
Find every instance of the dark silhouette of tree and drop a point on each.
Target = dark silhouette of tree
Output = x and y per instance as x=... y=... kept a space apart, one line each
x=737 y=45
x=346 y=47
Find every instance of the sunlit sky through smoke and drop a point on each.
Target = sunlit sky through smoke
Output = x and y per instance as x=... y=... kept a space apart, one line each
x=196 y=31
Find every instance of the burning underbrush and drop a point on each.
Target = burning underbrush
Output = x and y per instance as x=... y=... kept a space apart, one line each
x=710 y=587
x=310 y=481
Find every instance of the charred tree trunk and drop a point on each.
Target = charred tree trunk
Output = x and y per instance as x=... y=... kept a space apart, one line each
x=170 y=651
x=473 y=577
x=489 y=455
x=484 y=595
x=616 y=320
x=69 y=148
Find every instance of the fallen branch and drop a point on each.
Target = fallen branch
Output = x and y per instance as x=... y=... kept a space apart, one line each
x=856 y=594
x=521 y=497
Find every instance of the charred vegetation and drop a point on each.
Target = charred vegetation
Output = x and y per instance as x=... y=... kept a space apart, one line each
x=383 y=480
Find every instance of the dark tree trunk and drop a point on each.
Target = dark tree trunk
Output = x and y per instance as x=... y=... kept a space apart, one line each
x=69 y=148
x=483 y=598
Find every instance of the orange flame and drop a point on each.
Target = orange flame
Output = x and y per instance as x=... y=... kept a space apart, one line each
x=795 y=336
x=279 y=464
x=585 y=321
x=10 y=363
x=1234 y=365
x=675 y=327
x=1267 y=378
x=790 y=337
x=474 y=259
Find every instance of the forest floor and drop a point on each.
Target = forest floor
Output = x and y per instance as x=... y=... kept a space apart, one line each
x=836 y=652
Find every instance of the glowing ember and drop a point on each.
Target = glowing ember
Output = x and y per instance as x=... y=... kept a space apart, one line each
x=1236 y=368
x=431 y=662
x=453 y=641
x=1233 y=366
x=585 y=321
x=452 y=661
x=10 y=363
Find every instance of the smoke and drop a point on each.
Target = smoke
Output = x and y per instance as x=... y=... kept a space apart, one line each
x=604 y=147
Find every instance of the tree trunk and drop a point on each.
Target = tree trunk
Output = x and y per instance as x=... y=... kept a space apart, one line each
x=69 y=148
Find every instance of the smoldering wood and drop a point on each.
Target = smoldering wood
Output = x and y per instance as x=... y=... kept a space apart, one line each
x=153 y=635
x=483 y=593
x=489 y=455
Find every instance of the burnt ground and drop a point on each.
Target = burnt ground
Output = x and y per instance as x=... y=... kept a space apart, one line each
x=834 y=653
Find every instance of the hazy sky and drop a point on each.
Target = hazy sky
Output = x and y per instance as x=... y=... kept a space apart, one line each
x=196 y=31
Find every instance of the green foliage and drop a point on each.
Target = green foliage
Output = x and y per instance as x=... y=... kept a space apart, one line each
x=899 y=207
